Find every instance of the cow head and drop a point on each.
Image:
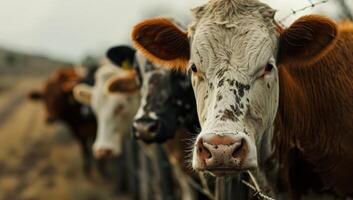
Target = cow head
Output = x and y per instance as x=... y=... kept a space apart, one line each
x=57 y=94
x=114 y=99
x=167 y=102
x=234 y=49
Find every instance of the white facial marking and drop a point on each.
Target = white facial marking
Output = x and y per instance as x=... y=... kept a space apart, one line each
x=232 y=41
x=114 y=111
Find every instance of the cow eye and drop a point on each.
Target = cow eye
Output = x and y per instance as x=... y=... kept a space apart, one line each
x=194 y=68
x=268 y=68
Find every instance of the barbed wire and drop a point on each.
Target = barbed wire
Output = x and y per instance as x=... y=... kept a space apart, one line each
x=294 y=12
x=258 y=194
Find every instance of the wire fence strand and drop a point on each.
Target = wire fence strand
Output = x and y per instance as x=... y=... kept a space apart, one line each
x=311 y=5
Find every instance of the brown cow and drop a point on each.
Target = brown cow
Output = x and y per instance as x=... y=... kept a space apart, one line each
x=315 y=133
x=60 y=105
x=251 y=78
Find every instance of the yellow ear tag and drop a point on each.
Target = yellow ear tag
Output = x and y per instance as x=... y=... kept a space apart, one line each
x=126 y=65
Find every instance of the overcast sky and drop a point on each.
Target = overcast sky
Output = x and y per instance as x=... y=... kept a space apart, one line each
x=71 y=29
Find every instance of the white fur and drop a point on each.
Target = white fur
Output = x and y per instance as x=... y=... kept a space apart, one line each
x=113 y=127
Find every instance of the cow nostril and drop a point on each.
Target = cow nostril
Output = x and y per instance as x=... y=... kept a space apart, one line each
x=153 y=127
x=239 y=149
x=202 y=151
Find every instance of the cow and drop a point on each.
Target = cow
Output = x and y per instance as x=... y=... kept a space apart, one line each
x=167 y=115
x=266 y=96
x=167 y=103
x=114 y=99
x=60 y=105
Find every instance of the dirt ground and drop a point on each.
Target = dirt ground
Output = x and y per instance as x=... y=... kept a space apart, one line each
x=38 y=161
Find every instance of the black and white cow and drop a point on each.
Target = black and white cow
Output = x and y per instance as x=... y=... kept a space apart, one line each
x=167 y=114
x=167 y=103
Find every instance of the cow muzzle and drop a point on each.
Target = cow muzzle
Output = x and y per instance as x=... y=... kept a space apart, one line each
x=146 y=129
x=107 y=149
x=103 y=153
x=224 y=154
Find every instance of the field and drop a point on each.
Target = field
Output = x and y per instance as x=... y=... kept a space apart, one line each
x=40 y=161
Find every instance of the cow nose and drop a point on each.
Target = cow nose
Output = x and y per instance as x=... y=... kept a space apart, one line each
x=103 y=153
x=146 y=129
x=219 y=152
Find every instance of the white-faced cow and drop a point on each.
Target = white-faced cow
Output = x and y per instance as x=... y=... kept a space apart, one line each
x=114 y=98
x=258 y=85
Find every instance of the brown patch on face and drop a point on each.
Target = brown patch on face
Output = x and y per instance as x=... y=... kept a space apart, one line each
x=236 y=110
x=206 y=97
x=220 y=83
x=126 y=84
x=219 y=97
x=241 y=88
x=231 y=82
x=237 y=98
x=220 y=73
x=228 y=115
x=246 y=132
x=211 y=86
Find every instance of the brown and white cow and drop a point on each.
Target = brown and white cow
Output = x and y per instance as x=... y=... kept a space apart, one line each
x=114 y=98
x=251 y=77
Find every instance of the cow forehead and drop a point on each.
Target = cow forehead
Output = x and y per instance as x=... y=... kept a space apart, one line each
x=242 y=52
x=230 y=13
x=237 y=32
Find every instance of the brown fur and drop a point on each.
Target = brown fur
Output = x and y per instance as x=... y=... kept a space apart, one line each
x=176 y=148
x=60 y=105
x=162 y=42
x=307 y=40
x=314 y=128
x=126 y=84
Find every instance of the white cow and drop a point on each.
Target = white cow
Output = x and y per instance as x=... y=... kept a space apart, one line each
x=114 y=98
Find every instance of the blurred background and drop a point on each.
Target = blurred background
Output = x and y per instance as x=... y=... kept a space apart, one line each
x=40 y=161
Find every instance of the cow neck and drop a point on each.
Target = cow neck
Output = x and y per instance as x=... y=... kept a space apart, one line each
x=315 y=112
x=74 y=117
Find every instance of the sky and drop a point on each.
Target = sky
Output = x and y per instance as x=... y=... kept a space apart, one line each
x=72 y=29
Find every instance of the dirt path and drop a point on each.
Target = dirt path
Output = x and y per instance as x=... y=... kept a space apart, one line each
x=39 y=161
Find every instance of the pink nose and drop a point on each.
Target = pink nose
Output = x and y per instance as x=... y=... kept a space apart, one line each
x=103 y=153
x=222 y=152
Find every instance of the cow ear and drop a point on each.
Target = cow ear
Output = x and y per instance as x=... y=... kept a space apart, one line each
x=162 y=42
x=124 y=84
x=122 y=56
x=83 y=93
x=35 y=95
x=307 y=40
